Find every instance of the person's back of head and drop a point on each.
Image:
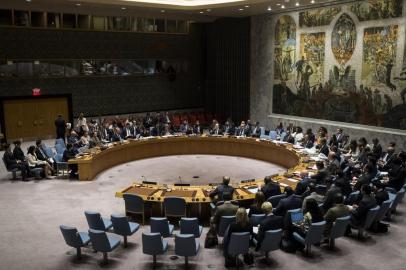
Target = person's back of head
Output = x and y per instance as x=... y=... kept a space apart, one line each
x=267 y=208
x=267 y=179
x=312 y=187
x=241 y=217
x=38 y=143
x=69 y=146
x=31 y=149
x=226 y=180
x=320 y=165
x=338 y=198
x=259 y=198
x=366 y=189
x=288 y=191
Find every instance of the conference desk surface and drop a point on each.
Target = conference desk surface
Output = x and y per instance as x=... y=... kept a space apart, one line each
x=90 y=164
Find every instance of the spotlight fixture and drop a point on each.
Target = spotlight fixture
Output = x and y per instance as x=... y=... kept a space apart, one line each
x=78 y=4
x=269 y=8
x=162 y=11
x=312 y=1
x=208 y=10
x=283 y=6
x=240 y=9
x=123 y=8
x=247 y=6
x=201 y=12
x=297 y=4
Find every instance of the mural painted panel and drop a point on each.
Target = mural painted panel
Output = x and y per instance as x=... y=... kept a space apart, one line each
x=318 y=17
x=285 y=48
x=343 y=39
x=377 y=9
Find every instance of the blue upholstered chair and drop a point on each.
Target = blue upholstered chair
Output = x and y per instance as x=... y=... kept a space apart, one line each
x=60 y=142
x=103 y=242
x=48 y=151
x=272 y=135
x=314 y=235
x=271 y=242
x=396 y=198
x=134 y=204
x=262 y=131
x=338 y=230
x=13 y=171
x=225 y=221
x=175 y=207
x=60 y=148
x=74 y=238
x=123 y=227
x=256 y=219
x=161 y=225
x=60 y=165
x=153 y=244
x=368 y=221
x=190 y=226
x=274 y=200
x=352 y=198
x=186 y=245
x=383 y=210
x=239 y=244
x=96 y=222
x=282 y=136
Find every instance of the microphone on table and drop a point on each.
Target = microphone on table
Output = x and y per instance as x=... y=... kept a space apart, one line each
x=180 y=180
x=144 y=179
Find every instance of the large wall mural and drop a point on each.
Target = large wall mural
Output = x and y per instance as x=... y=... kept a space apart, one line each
x=377 y=9
x=367 y=87
x=318 y=17
x=285 y=48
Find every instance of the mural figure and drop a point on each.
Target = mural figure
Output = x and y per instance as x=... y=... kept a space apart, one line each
x=343 y=39
x=318 y=17
x=377 y=9
x=310 y=68
x=285 y=47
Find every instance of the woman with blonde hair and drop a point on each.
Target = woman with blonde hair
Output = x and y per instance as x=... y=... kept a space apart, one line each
x=241 y=224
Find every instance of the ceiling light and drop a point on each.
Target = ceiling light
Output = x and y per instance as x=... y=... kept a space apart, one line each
x=269 y=8
x=240 y=9
x=297 y=4
x=208 y=10
x=312 y=1
x=27 y=0
x=278 y=4
x=201 y=12
x=282 y=6
x=123 y=8
x=78 y=4
x=247 y=6
x=162 y=11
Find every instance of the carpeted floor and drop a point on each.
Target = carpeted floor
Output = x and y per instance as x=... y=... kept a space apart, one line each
x=30 y=214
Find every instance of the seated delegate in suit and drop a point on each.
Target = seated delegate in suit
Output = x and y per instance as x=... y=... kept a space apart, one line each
x=323 y=147
x=397 y=172
x=312 y=195
x=17 y=152
x=226 y=209
x=197 y=129
x=242 y=130
x=302 y=185
x=322 y=174
x=241 y=224
x=271 y=188
x=68 y=154
x=116 y=137
x=166 y=131
x=307 y=142
x=365 y=178
x=255 y=208
x=34 y=162
x=360 y=211
x=224 y=191
x=228 y=128
x=387 y=158
x=292 y=201
x=184 y=127
x=12 y=163
x=270 y=222
x=216 y=130
x=128 y=131
x=256 y=130
x=338 y=210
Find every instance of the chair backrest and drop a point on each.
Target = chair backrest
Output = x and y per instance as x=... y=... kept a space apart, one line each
x=120 y=225
x=185 y=245
x=239 y=243
x=340 y=226
x=383 y=210
x=256 y=219
x=225 y=221
x=4 y=161
x=352 y=197
x=160 y=225
x=60 y=142
x=58 y=158
x=272 y=135
x=99 y=240
x=397 y=199
x=60 y=148
x=315 y=233
x=271 y=240
x=321 y=189
x=282 y=136
x=274 y=200
x=94 y=221
x=133 y=203
x=262 y=131
x=152 y=243
x=189 y=226
x=371 y=216
x=48 y=151
x=70 y=234
x=175 y=206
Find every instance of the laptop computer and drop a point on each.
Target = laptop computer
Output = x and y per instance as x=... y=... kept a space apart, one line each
x=297 y=218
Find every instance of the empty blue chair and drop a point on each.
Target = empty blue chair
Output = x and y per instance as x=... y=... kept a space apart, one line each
x=123 y=227
x=190 y=226
x=396 y=199
x=161 y=225
x=60 y=149
x=272 y=135
x=96 y=222
x=239 y=244
x=175 y=207
x=271 y=241
x=187 y=246
x=134 y=204
x=153 y=244
x=75 y=239
x=60 y=142
x=314 y=235
x=225 y=221
x=282 y=136
x=48 y=151
x=60 y=165
x=274 y=200
x=103 y=243
x=338 y=230
x=262 y=131
x=368 y=221
x=256 y=219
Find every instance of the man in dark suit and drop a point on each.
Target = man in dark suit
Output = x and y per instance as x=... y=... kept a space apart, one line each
x=17 y=152
x=323 y=147
x=242 y=130
x=270 y=188
x=60 y=126
x=386 y=159
x=360 y=211
x=322 y=174
x=365 y=178
x=128 y=132
x=228 y=128
x=397 y=172
x=338 y=210
x=376 y=148
x=68 y=154
x=223 y=192
x=216 y=130
x=307 y=142
x=292 y=201
x=197 y=129
x=12 y=163
x=226 y=209
x=339 y=135
x=270 y=222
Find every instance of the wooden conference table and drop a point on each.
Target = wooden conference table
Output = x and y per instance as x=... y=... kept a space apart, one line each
x=285 y=155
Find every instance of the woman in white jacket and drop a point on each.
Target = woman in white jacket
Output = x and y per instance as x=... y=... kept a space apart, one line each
x=34 y=162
